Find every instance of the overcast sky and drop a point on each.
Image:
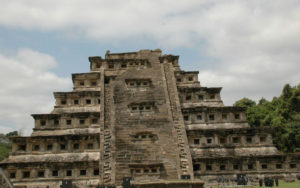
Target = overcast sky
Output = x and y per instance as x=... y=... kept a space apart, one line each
x=251 y=48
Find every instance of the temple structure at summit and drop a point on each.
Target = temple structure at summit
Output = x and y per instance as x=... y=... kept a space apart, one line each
x=136 y=118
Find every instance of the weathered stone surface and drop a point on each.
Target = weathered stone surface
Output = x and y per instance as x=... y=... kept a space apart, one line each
x=54 y=158
x=137 y=115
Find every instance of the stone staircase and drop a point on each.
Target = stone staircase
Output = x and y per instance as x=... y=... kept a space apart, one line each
x=107 y=147
x=184 y=152
x=107 y=157
x=4 y=181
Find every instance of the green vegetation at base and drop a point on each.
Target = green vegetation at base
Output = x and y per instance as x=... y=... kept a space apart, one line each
x=5 y=145
x=5 y=148
x=282 y=114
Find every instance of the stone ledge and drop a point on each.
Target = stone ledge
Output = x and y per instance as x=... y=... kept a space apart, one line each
x=168 y=184
x=62 y=157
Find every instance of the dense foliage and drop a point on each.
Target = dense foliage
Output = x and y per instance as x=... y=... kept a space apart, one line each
x=282 y=114
x=5 y=148
x=5 y=145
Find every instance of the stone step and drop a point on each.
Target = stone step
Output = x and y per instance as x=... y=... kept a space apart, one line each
x=106 y=181
x=106 y=169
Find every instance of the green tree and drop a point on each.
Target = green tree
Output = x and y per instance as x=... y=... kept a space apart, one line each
x=245 y=102
x=14 y=133
x=282 y=113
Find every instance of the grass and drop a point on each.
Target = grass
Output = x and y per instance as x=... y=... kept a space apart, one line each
x=282 y=184
x=4 y=150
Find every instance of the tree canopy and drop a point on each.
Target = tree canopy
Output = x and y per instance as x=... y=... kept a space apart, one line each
x=281 y=113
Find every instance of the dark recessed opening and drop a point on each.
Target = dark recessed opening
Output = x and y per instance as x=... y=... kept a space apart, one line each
x=68 y=122
x=81 y=83
x=200 y=97
x=55 y=173
x=63 y=102
x=106 y=80
x=75 y=146
x=49 y=147
x=90 y=146
x=96 y=172
x=278 y=166
x=292 y=165
x=62 y=146
x=82 y=172
x=43 y=122
x=222 y=141
x=12 y=175
x=196 y=167
x=211 y=117
x=69 y=173
x=22 y=147
x=81 y=122
x=36 y=147
x=209 y=140
x=188 y=97
x=236 y=167
x=264 y=166
x=250 y=166
x=208 y=167
x=262 y=139
x=199 y=117
x=212 y=96
x=94 y=83
x=237 y=116
x=26 y=174
x=236 y=140
x=41 y=174
x=196 y=141
x=249 y=139
x=154 y=170
x=222 y=167
x=191 y=78
x=56 y=122
x=88 y=101
x=123 y=65
x=95 y=121
x=224 y=116
x=186 y=118
x=76 y=101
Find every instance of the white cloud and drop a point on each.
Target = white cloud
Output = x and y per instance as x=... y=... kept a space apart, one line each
x=254 y=44
x=27 y=84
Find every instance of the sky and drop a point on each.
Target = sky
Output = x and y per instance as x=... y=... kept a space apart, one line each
x=248 y=47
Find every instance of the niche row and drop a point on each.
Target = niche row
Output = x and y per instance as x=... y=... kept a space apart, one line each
x=49 y=173
x=203 y=117
x=228 y=140
x=58 y=147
